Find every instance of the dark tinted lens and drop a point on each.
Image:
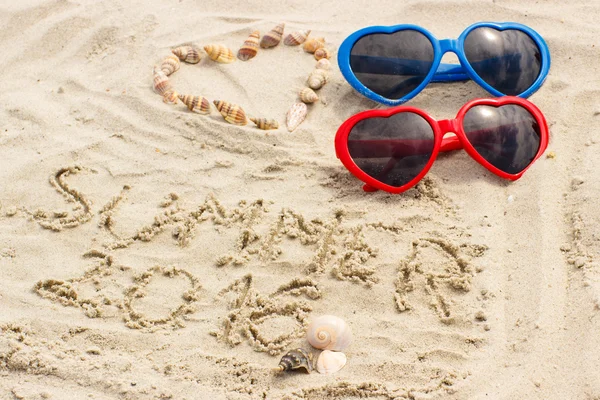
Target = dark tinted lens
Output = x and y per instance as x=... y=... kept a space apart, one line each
x=392 y=150
x=392 y=65
x=508 y=137
x=509 y=60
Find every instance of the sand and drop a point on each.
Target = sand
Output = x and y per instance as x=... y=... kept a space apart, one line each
x=147 y=252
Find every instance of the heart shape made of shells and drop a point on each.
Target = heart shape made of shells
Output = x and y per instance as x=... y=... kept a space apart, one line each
x=233 y=113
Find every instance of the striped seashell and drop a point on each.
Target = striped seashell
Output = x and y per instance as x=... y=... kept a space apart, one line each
x=314 y=44
x=231 y=112
x=308 y=96
x=322 y=53
x=250 y=47
x=296 y=38
x=273 y=37
x=323 y=63
x=197 y=104
x=170 y=64
x=265 y=124
x=295 y=116
x=220 y=54
x=187 y=54
x=170 y=97
x=161 y=82
x=318 y=78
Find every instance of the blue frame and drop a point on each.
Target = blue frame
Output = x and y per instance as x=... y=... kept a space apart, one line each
x=440 y=72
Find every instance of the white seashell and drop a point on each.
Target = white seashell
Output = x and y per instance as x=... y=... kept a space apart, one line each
x=329 y=332
x=317 y=79
x=296 y=115
x=323 y=63
x=330 y=362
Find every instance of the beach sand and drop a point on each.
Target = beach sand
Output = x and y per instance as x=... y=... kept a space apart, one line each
x=147 y=252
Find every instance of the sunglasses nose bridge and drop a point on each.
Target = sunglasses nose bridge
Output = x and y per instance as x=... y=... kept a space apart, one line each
x=448 y=125
x=449 y=45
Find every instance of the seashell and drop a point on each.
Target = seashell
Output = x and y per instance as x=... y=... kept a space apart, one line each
x=170 y=64
x=322 y=53
x=197 y=104
x=170 y=97
x=314 y=44
x=250 y=47
x=265 y=124
x=231 y=112
x=317 y=79
x=296 y=38
x=273 y=37
x=161 y=83
x=323 y=63
x=187 y=54
x=329 y=332
x=330 y=362
x=295 y=359
x=308 y=96
x=220 y=54
x=296 y=115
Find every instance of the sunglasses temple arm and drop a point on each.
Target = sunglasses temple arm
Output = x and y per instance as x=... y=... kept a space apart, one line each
x=450 y=73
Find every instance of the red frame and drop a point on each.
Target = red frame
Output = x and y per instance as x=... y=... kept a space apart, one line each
x=440 y=129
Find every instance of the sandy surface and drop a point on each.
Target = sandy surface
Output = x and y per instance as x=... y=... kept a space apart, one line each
x=148 y=252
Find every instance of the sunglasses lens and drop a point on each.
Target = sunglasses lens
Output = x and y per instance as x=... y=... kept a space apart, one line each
x=392 y=65
x=392 y=150
x=508 y=137
x=508 y=60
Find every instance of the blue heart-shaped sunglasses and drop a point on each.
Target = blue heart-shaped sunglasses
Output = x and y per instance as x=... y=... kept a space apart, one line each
x=391 y=65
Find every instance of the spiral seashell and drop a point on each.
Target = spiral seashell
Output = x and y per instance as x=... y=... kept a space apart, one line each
x=170 y=64
x=308 y=96
x=220 y=54
x=250 y=47
x=265 y=124
x=317 y=79
x=161 y=83
x=322 y=53
x=295 y=116
x=296 y=38
x=314 y=44
x=231 y=112
x=187 y=54
x=170 y=97
x=295 y=359
x=323 y=63
x=330 y=362
x=197 y=104
x=329 y=332
x=273 y=37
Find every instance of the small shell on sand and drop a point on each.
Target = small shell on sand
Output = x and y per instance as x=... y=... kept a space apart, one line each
x=322 y=53
x=313 y=44
x=232 y=113
x=308 y=96
x=295 y=359
x=170 y=64
x=323 y=64
x=317 y=79
x=187 y=54
x=264 y=123
x=295 y=116
x=296 y=38
x=220 y=54
x=250 y=47
x=197 y=104
x=330 y=362
x=273 y=37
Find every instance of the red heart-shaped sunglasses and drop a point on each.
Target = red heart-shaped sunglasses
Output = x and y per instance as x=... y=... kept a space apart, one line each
x=392 y=149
